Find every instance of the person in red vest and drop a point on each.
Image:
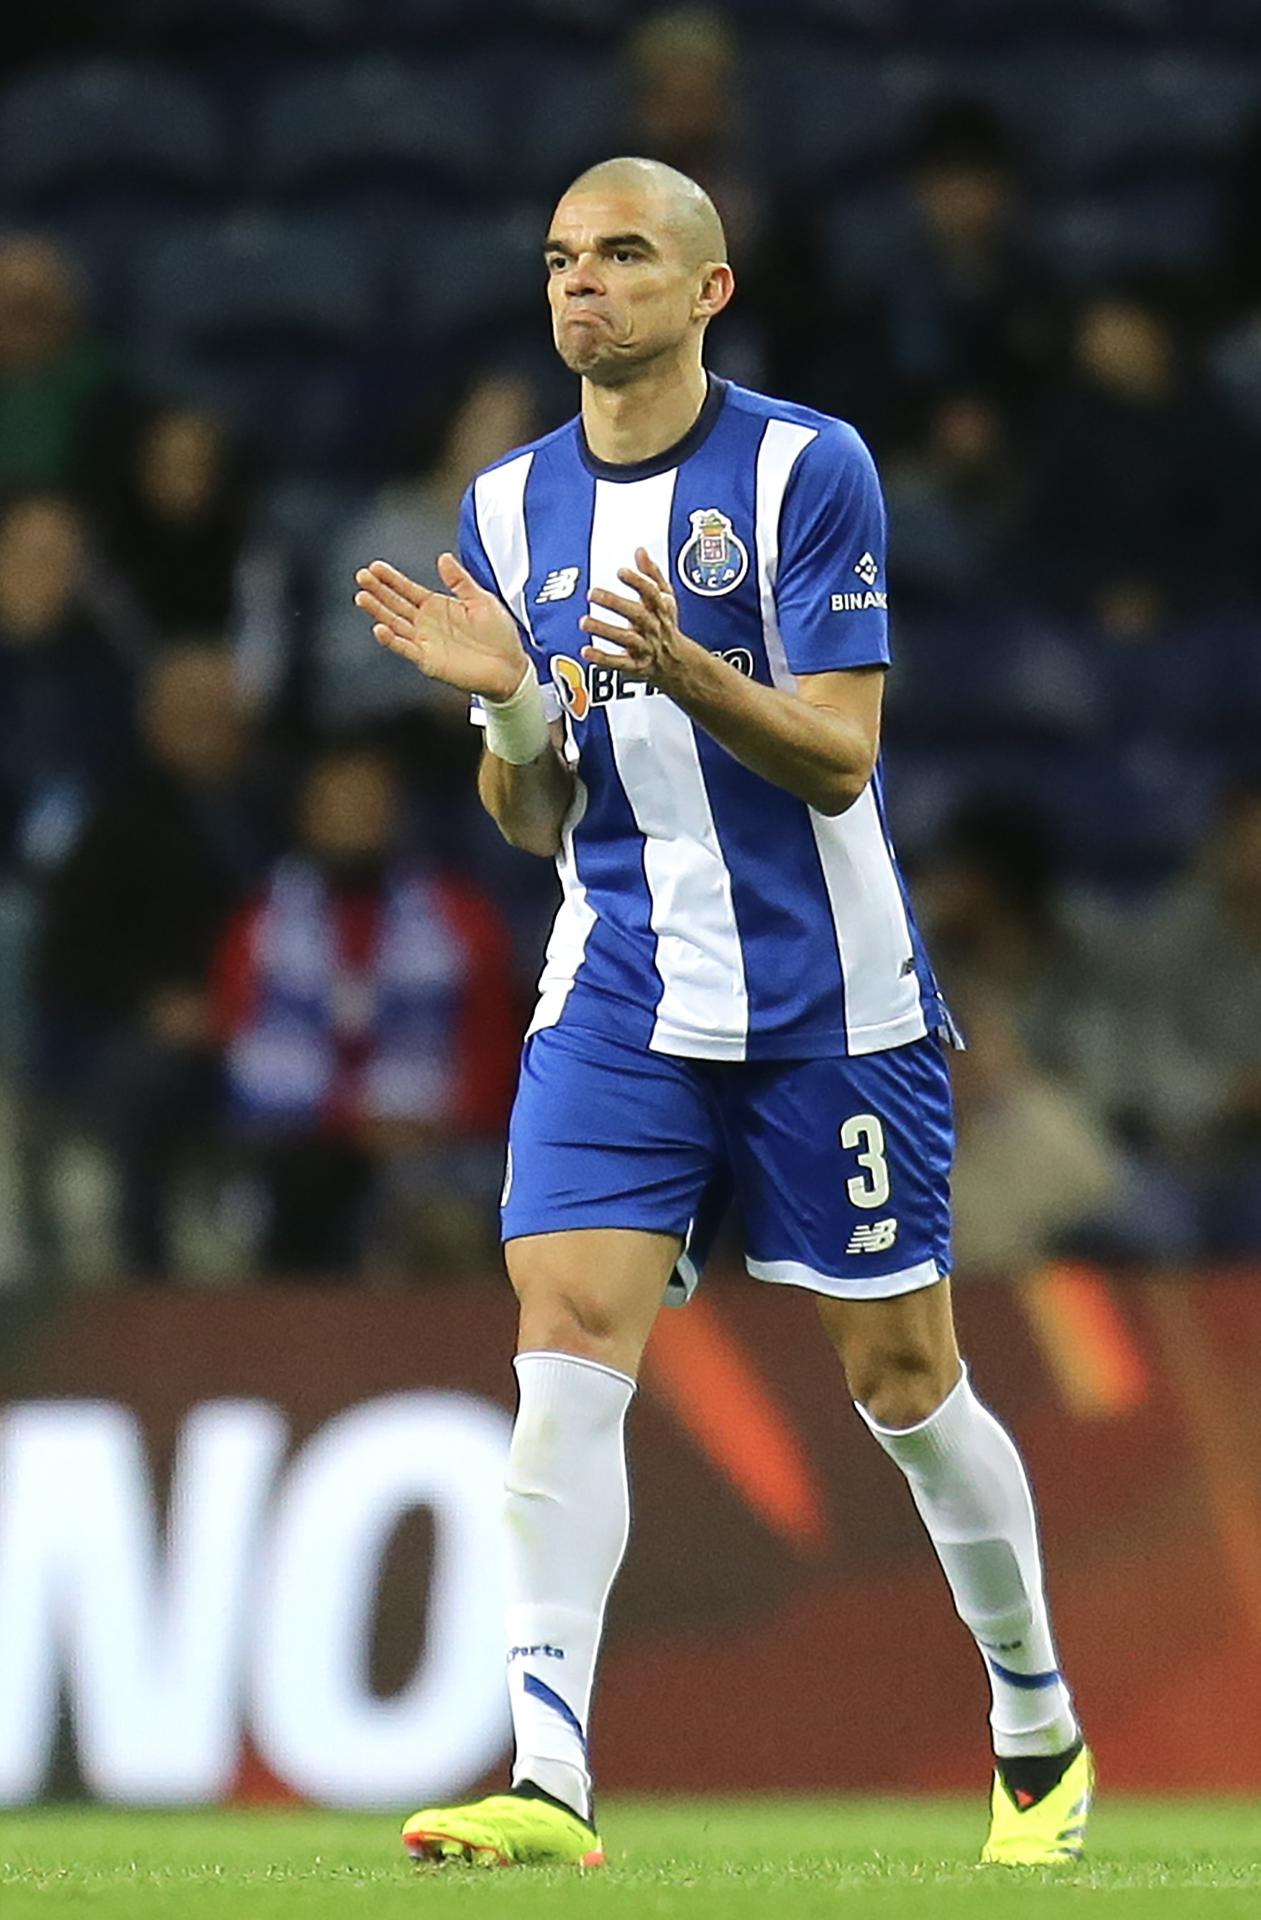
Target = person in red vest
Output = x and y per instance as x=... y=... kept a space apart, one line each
x=366 y=1008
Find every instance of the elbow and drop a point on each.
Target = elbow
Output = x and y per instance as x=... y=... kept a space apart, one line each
x=840 y=790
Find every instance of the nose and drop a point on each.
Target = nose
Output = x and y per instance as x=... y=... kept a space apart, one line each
x=583 y=276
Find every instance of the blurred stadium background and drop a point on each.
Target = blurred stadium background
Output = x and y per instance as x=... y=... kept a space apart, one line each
x=269 y=295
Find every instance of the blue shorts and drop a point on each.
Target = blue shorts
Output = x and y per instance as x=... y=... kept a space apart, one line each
x=841 y=1166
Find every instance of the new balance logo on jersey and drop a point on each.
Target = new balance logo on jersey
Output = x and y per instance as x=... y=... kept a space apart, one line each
x=874 y=1236
x=559 y=585
x=867 y=569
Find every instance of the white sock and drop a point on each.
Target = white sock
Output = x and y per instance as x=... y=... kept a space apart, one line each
x=567 y=1517
x=970 y=1487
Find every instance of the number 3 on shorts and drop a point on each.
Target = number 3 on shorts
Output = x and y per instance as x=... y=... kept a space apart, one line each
x=862 y=1131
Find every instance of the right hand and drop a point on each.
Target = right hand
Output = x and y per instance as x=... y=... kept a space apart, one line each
x=466 y=637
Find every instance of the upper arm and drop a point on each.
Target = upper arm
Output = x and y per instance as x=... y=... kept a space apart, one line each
x=830 y=593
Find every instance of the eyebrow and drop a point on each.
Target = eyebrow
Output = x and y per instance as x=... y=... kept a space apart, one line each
x=607 y=243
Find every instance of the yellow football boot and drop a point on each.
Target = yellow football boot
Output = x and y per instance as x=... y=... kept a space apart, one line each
x=504 y=1830
x=1049 y=1831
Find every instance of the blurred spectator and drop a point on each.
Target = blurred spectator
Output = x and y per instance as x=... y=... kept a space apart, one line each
x=958 y=503
x=174 y=523
x=1198 y=1018
x=57 y=391
x=124 y=957
x=681 y=68
x=409 y=523
x=371 y=1037
x=964 y=306
x=1141 y=476
x=994 y=911
x=1035 y=1175
x=683 y=106
x=65 y=691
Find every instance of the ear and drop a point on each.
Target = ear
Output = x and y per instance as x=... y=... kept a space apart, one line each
x=718 y=283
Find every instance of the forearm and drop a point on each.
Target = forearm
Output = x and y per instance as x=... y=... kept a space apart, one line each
x=821 y=756
x=528 y=803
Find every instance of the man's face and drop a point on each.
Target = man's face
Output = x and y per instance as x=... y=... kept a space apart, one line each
x=621 y=286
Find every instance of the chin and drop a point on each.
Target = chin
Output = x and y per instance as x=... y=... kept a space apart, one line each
x=598 y=365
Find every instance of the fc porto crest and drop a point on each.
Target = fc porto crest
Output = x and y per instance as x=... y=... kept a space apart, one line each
x=715 y=559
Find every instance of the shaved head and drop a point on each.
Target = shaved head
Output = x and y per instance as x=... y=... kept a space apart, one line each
x=685 y=207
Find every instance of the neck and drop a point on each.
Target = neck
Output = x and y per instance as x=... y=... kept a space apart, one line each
x=650 y=413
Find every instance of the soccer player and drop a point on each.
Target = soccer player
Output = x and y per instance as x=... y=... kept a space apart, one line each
x=671 y=614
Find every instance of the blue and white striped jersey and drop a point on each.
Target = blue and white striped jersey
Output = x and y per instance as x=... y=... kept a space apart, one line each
x=706 y=912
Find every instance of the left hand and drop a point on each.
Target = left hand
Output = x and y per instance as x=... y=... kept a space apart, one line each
x=652 y=646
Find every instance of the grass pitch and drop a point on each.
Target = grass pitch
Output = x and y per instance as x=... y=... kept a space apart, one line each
x=782 y=1860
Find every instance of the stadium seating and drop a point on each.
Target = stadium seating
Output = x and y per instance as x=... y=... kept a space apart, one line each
x=261 y=319
x=213 y=30
x=473 y=274
x=1169 y=226
x=107 y=128
x=375 y=126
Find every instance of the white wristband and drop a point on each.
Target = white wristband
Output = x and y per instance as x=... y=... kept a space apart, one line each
x=516 y=728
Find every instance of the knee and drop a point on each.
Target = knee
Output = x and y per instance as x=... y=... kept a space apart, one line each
x=901 y=1385
x=557 y=1320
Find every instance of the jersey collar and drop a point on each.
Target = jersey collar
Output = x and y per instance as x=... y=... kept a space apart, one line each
x=695 y=438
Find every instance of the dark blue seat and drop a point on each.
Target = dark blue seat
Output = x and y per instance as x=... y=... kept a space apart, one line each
x=1198 y=685
x=95 y=131
x=561 y=108
x=1162 y=227
x=559 y=21
x=1100 y=116
x=375 y=126
x=822 y=111
x=263 y=320
x=991 y=674
x=476 y=277
x=222 y=30
x=1122 y=819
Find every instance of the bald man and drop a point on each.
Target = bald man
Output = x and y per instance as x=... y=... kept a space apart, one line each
x=671 y=616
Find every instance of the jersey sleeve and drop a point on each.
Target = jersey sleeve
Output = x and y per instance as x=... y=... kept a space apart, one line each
x=831 y=599
x=473 y=555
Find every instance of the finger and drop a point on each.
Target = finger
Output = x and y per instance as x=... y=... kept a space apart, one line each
x=454 y=574
x=382 y=617
x=398 y=614
x=625 y=638
x=658 y=598
x=632 y=610
x=649 y=592
x=629 y=669
x=388 y=576
x=645 y=561
x=406 y=609
x=398 y=643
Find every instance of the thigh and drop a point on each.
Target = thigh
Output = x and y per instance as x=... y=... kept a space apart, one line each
x=613 y=1153
x=607 y=1135
x=843 y=1166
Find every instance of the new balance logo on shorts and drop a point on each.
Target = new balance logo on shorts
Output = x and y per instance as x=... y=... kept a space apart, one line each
x=875 y=1236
